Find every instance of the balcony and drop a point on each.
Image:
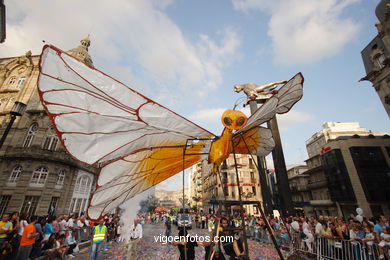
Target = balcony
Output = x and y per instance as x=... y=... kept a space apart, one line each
x=321 y=202
x=298 y=188
x=317 y=184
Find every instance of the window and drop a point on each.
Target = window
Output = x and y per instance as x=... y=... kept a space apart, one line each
x=4 y=203
x=83 y=185
x=12 y=81
x=60 y=178
x=30 y=135
x=51 y=140
x=3 y=103
x=373 y=172
x=379 y=59
x=39 y=176
x=254 y=190
x=52 y=207
x=29 y=205
x=72 y=205
x=21 y=81
x=15 y=174
x=82 y=207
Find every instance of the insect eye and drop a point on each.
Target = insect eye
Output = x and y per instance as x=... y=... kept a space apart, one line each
x=240 y=121
x=227 y=121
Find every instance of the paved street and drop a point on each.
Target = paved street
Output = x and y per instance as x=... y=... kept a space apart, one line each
x=149 y=249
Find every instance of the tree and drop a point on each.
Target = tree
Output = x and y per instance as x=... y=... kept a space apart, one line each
x=149 y=204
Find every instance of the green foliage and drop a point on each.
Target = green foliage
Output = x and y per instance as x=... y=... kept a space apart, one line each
x=149 y=204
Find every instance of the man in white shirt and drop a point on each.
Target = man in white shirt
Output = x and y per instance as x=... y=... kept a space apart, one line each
x=70 y=224
x=318 y=227
x=135 y=236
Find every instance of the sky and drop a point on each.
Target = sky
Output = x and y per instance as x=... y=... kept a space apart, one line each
x=187 y=55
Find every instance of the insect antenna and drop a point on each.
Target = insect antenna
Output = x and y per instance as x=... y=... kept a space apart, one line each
x=238 y=102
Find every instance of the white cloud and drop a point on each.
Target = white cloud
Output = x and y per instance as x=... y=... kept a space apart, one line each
x=285 y=121
x=304 y=31
x=122 y=33
x=211 y=115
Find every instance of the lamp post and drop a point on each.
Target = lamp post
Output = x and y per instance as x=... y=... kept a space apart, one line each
x=17 y=110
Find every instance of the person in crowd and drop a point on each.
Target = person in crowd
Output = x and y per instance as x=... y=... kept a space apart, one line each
x=55 y=224
x=378 y=227
x=356 y=235
x=48 y=230
x=203 y=218
x=135 y=236
x=369 y=239
x=317 y=227
x=71 y=243
x=99 y=236
x=62 y=224
x=27 y=240
x=309 y=237
x=54 y=247
x=49 y=244
x=37 y=247
x=186 y=245
x=5 y=229
x=384 y=244
x=14 y=237
x=232 y=246
x=211 y=224
x=168 y=227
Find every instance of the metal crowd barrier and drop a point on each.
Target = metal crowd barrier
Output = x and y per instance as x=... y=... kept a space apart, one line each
x=320 y=247
x=83 y=234
x=325 y=248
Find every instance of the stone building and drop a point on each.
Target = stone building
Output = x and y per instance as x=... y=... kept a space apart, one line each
x=196 y=190
x=298 y=182
x=37 y=176
x=169 y=198
x=376 y=56
x=210 y=188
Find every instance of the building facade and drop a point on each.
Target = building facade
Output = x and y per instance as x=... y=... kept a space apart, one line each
x=376 y=56
x=171 y=199
x=358 y=172
x=211 y=188
x=332 y=188
x=37 y=176
x=301 y=195
x=196 y=189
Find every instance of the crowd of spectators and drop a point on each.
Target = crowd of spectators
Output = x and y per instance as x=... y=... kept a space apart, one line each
x=370 y=236
x=48 y=237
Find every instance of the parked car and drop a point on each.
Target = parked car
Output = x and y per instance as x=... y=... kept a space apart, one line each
x=184 y=220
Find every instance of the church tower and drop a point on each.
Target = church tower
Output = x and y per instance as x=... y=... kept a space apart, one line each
x=81 y=52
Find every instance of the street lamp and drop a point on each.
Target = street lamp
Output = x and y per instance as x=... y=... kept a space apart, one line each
x=17 y=110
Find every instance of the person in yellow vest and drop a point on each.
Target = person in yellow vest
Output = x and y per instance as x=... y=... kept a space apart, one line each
x=99 y=236
x=5 y=229
x=211 y=224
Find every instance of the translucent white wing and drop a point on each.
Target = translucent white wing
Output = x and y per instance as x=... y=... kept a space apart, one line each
x=279 y=103
x=128 y=176
x=99 y=119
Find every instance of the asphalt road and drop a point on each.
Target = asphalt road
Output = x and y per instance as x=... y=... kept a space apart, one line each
x=150 y=249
